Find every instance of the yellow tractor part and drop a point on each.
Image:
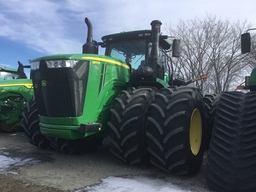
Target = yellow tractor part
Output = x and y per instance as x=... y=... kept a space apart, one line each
x=195 y=132
x=8 y=127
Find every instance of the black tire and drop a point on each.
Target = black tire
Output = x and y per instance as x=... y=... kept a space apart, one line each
x=232 y=153
x=176 y=130
x=211 y=104
x=31 y=125
x=128 y=125
x=78 y=146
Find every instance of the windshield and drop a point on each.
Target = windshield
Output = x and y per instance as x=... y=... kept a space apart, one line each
x=7 y=76
x=131 y=52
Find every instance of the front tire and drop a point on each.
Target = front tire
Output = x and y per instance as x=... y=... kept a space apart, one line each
x=176 y=130
x=31 y=125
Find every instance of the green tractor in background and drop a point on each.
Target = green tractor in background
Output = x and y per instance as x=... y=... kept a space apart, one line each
x=231 y=161
x=15 y=91
x=128 y=95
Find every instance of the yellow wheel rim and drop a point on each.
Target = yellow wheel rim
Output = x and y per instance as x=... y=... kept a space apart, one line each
x=8 y=127
x=195 y=132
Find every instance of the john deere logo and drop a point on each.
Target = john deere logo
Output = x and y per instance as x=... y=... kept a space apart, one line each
x=43 y=83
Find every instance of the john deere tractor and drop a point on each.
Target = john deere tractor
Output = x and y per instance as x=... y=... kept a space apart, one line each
x=15 y=91
x=128 y=95
x=231 y=162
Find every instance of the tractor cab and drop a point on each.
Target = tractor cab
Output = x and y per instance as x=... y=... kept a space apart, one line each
x=10 y=73
x=250 y=81
x=134 y=47
x=145 y=51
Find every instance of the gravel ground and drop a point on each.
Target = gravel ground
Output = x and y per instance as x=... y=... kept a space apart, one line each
x=61 y=172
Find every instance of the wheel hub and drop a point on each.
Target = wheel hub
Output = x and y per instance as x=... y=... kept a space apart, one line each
x=195 y=132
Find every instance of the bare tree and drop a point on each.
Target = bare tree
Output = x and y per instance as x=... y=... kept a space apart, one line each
x=211 y=47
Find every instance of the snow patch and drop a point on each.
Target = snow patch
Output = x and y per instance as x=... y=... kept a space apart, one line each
x=9 y=164
x=135 y=184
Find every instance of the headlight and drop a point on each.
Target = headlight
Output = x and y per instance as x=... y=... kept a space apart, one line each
x=61 y=63
x=35 y=65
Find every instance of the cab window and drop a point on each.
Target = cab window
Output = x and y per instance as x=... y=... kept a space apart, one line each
x=131 y=52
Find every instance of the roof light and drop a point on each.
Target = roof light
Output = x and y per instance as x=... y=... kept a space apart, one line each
x=35 y=65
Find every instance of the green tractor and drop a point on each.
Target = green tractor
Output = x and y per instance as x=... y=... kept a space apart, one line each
x=128 y=95
x=15 y=91
x=231 y=161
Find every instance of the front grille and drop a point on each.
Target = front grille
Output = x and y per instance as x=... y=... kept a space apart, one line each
x=60 y=92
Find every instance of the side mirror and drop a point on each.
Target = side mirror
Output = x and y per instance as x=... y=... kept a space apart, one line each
x=176 y=48
x=246 y=43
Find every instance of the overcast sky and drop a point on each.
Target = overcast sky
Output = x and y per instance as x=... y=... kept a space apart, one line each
x=34 y=28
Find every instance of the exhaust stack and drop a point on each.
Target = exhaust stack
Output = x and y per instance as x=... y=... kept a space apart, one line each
x=154 y=60
x=90 y=46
